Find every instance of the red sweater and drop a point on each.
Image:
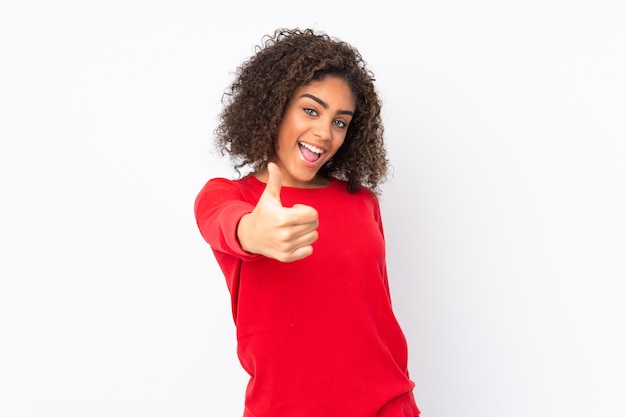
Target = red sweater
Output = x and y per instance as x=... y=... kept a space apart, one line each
x=318 y=336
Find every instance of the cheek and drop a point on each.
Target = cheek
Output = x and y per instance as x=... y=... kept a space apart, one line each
x=284 y=133
x=290 y=129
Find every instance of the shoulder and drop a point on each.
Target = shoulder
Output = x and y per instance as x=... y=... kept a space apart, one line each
x=224 y=184
x=361 y=192
x=361 y=199
x=246 y=188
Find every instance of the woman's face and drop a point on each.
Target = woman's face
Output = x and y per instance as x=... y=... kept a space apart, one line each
x=312 y=129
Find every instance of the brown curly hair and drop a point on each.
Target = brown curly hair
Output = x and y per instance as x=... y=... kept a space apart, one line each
x=255 y=102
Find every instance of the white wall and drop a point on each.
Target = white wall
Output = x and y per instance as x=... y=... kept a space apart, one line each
x=504 y=219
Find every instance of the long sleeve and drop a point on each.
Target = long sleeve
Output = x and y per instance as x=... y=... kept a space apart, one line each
x=379 y=221
x=218 y=208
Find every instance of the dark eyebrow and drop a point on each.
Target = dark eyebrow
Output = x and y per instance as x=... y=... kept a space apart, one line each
x=324 y=105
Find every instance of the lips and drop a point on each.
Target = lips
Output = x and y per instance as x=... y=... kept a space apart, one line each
x=309 y=152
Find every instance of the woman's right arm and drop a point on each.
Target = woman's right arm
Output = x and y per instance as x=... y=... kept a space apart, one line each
x=237 y=227
x=218 y=210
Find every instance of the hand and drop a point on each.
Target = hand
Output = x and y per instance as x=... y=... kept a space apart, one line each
x=282 y=233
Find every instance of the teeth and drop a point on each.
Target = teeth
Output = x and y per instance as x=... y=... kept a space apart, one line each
x=312 y=148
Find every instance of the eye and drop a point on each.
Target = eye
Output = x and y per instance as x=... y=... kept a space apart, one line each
x=341 y=123
x=310 y=111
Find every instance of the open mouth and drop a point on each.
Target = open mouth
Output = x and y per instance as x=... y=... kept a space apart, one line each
x=310 y=152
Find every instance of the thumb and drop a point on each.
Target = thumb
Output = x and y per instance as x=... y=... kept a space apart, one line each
x=274 y=181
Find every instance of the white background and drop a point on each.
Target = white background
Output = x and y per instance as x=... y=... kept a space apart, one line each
x=505 y=124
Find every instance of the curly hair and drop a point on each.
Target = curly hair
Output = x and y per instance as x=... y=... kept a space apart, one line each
x=255 y=102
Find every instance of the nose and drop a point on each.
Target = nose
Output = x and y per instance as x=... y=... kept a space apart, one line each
x=322 y=129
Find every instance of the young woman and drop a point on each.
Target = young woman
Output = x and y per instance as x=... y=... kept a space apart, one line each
x=300 y=238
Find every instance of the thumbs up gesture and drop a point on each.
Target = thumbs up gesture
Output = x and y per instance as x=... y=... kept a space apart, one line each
x=282 y=233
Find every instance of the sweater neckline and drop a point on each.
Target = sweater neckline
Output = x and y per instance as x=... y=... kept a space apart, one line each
x=259 y=183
